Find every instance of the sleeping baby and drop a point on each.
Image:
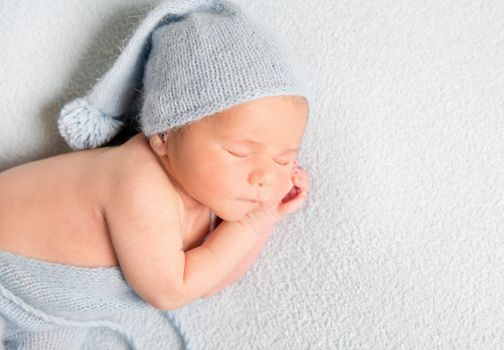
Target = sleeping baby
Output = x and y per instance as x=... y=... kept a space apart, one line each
x=145 y=205
x=221 y=118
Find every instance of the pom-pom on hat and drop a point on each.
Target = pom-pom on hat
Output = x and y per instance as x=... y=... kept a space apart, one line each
x=187 y=59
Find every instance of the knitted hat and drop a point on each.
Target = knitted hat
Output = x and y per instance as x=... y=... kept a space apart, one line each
x=192 y=58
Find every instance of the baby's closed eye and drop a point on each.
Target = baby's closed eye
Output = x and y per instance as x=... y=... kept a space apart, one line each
x=283 y=162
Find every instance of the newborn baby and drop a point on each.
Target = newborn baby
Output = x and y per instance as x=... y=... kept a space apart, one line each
x=145 y=205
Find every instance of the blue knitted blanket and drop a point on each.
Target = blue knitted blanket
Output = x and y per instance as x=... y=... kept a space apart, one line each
x=46 y=305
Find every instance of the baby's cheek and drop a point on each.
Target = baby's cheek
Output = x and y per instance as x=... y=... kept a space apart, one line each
x=286 y=186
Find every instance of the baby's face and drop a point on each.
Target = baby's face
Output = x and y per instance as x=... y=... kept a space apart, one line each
x=243 y=153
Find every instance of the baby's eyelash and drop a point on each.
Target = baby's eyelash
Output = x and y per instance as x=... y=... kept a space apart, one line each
x=246 y=155
x=284 y=164
x=238 y=155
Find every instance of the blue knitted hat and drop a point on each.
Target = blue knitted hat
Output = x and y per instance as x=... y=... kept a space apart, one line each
x=186 y=60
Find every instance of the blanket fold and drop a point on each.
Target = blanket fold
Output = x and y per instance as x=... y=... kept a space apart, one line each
x=51 y=306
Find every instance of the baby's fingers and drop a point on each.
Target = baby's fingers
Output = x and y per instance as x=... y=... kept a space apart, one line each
x=296 y=196
x=300 y=179
x=299 y=188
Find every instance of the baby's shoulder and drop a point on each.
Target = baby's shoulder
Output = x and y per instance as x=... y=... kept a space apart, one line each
x=133 y=167
x=134 y=157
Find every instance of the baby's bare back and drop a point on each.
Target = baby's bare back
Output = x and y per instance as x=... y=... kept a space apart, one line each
x=52 y=209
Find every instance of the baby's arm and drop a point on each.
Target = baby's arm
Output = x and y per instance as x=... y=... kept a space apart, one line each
x=243 y=266
x=145 y=230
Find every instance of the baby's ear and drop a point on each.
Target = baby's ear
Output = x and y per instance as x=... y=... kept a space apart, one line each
x=157 y=143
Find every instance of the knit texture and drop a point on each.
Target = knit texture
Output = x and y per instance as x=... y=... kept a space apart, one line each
x=187 y=59
x=55 y=306
x=207 y=61
x=44 y=305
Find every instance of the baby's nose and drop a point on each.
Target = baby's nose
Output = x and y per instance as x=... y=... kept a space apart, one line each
x=260 y=178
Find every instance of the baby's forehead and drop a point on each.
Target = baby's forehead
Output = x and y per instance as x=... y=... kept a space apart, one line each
x=234 y=128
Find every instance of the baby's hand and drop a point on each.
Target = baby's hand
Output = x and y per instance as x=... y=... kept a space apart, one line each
x=295 y=198
x=264 y=218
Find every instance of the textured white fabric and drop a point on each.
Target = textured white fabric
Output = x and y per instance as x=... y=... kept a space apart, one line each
x=400 y=244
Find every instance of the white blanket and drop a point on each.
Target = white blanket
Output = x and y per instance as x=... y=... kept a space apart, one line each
x=400 y=244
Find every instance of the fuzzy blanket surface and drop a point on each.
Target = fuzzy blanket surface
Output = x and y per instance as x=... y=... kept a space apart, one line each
x=400 y=244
